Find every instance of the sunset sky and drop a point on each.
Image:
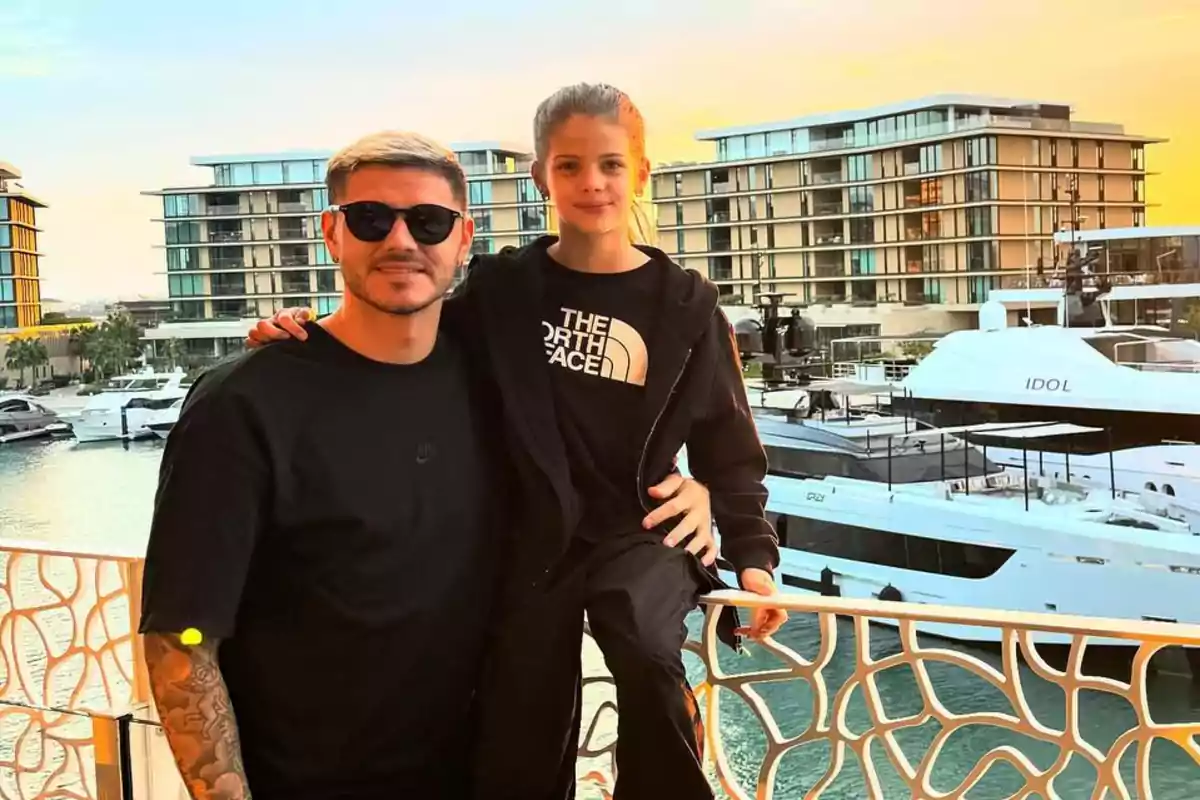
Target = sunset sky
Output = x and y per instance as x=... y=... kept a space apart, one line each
x=103 y=100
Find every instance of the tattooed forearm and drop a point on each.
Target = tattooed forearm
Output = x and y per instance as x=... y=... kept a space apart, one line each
x=194 y=706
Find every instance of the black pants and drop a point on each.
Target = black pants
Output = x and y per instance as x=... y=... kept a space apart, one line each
x=637 y=593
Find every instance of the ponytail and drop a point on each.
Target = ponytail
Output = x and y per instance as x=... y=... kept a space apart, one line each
x=641 y=229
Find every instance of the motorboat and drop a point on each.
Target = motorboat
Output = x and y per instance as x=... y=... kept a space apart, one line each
x=122 y=409
x=23 y=417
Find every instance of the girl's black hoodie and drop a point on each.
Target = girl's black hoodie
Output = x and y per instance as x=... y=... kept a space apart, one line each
x=694 y=395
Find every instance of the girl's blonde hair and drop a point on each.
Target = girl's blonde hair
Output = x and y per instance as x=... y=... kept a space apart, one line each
x=606 y=102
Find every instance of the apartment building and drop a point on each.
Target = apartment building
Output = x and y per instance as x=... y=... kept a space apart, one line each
x=249 y=243
x=900 y=218
x=20 y=287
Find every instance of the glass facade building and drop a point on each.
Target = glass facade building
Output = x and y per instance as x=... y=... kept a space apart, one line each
x=20 y=280
x=249 y=243
x=921 y=207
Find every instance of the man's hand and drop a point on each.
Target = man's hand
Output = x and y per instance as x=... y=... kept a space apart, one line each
x=286 y=324
x=689 y=498
x=764 y=622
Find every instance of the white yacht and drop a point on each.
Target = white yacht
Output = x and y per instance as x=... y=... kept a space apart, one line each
x=983 y=538
x=1135 y=388
x=123 y=406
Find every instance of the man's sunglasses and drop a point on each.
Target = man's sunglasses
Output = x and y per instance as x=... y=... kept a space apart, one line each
x=372 y=221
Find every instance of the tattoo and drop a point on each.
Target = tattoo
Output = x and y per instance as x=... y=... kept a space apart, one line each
x=193 y=704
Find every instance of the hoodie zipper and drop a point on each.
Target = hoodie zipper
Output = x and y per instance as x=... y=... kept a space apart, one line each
x=650 y=435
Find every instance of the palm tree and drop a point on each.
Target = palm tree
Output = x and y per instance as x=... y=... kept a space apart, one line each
x=173 y=351
x=38 y=356
x=18 y=356
x=77 y=343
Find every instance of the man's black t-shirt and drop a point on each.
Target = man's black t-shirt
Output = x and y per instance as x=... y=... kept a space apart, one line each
x=596 y=329
x=327 y=517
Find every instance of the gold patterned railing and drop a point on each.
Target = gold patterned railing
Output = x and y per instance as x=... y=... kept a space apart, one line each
x=70 y=662
x=849 y=728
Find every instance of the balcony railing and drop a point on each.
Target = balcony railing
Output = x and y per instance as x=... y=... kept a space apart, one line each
x=225 y=236
x=850 y=732
x=289 y=208
x=224 y=211
x=77 y=720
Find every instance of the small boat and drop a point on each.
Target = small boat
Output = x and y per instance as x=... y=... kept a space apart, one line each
x=22 y=417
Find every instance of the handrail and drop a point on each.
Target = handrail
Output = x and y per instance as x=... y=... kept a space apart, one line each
x=1175 y=632
x=831 y=704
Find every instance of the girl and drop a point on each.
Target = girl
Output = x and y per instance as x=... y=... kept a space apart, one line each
x=609 y=358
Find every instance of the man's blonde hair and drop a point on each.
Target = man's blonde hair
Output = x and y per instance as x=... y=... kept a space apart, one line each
x=396 y=149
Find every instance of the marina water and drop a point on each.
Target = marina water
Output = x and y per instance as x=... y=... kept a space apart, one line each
x=101 y=495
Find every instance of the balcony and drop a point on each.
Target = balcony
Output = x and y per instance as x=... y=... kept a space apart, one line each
x=225 y=236
x=223 y=210
x=227 y=263
x=860 y=702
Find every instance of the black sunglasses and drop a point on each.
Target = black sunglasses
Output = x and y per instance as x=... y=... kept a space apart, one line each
x=372 y=221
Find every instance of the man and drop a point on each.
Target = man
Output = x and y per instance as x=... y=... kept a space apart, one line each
x=320 y=565
x=328 y=523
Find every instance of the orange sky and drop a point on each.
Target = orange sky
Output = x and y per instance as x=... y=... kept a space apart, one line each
x=104 y=124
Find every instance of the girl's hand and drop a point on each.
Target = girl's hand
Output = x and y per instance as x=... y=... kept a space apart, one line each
x=286 y=324
x=689 y=498
x=764 y=622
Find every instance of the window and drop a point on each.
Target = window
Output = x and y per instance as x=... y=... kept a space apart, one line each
x=902 y=551
x=779 y=143
x=679 y=242
x=979 y=186
x=860 y=168
x=862 y=199
x=978 y=259
x=479 y=192
x=299 y=172
x=481 y=245
x=326 y=280
x=981 y=151
x=736 y=147
x=1139 y=157
x=183 y=232
x=756 y=145
x=1139 y=220
x=6 y=267
x=185 y=285
x=327 y=305
x=3 y=208
x=5 y=237
x=527 y=191
x=679 y=214
x=862 y=231
x=6 y=291
x=1139 y=190
x=181 y=205
x=862 y=262
x=483 y=220
x=533 y=218
x=181 y=258
x=979 y=222
x=678 y=184
x=931 y=157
